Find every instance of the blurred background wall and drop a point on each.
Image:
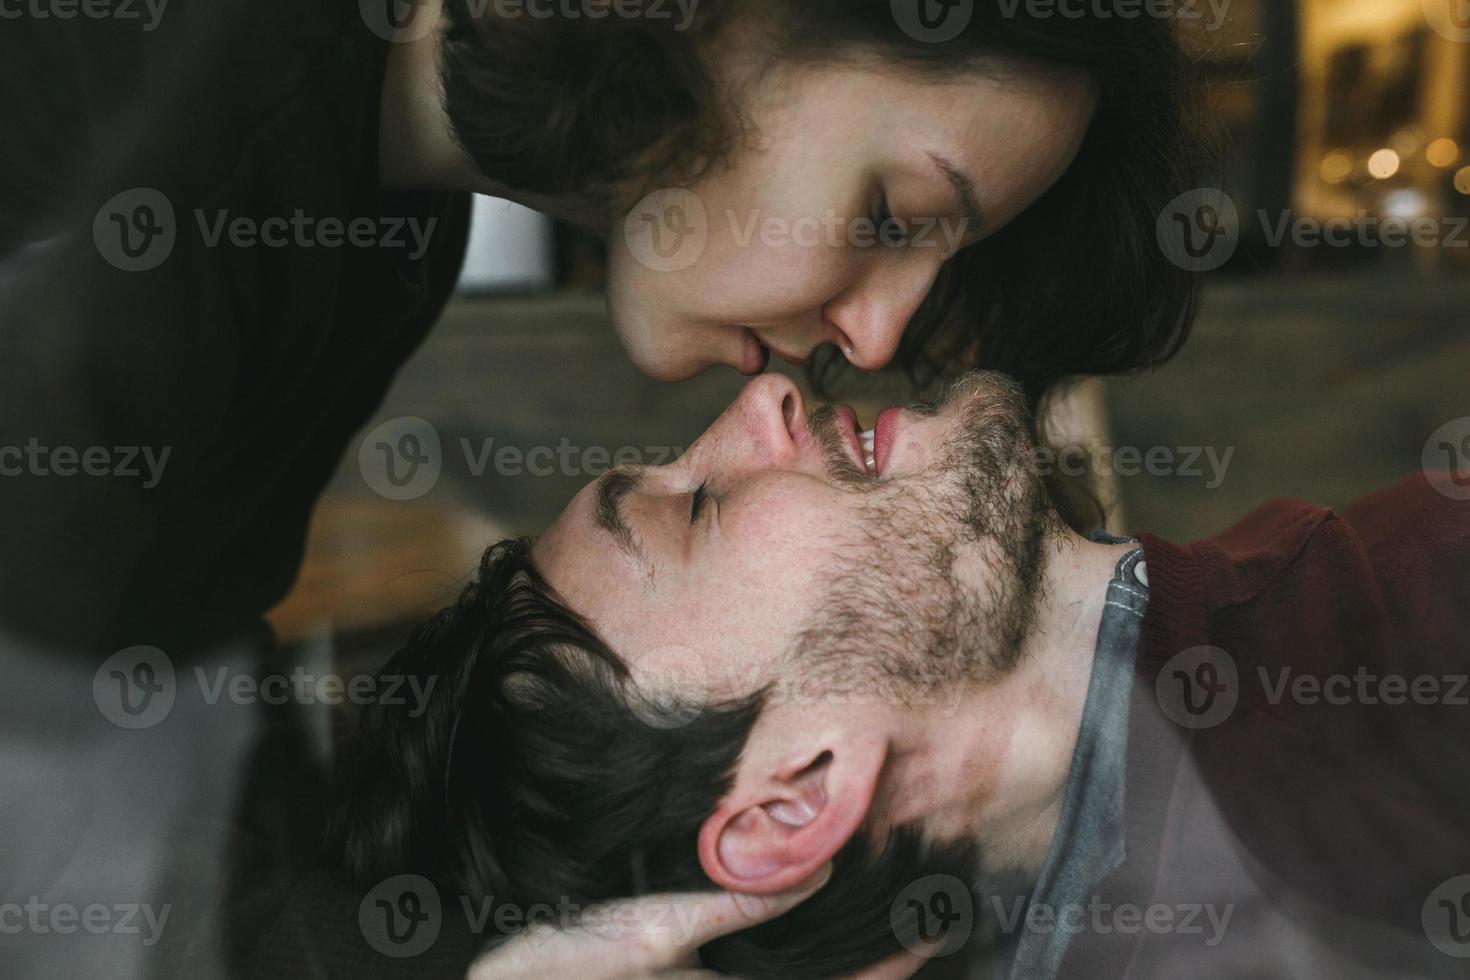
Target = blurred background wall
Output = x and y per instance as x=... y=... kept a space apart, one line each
x=1326 y=357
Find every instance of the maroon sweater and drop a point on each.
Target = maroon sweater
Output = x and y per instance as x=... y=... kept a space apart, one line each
x=1322 y=797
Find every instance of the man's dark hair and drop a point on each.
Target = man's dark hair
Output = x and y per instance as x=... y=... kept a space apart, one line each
x=535 y=776
x=603 y=109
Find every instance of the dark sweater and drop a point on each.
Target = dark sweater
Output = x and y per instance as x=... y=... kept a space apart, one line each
x=250 y=365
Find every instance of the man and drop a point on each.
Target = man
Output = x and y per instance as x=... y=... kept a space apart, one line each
x=803 y=644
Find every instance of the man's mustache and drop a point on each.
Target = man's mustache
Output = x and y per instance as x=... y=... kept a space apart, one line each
x=824 y=425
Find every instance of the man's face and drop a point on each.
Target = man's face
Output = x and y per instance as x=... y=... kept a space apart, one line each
x=913 y=572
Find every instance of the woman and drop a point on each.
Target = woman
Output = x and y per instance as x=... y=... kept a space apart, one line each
x=834 y=183
x=1049 y=145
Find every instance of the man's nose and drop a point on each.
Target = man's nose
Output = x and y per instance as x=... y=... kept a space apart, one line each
x=770 y=418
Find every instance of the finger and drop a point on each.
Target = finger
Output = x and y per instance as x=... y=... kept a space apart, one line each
x=641 y=936
x=899 y=966
x=714 y=914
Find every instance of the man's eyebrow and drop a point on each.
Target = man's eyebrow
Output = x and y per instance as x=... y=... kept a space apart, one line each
x=612 y=487
x=964 y=189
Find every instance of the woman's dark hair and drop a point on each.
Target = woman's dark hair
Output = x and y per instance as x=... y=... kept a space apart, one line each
x=533 y=777
x=1077 y=285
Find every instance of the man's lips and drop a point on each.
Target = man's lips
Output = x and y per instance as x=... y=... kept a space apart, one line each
x=848 y=426
x=885 y=430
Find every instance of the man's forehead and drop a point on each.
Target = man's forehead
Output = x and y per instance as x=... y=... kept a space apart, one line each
x=574 y=537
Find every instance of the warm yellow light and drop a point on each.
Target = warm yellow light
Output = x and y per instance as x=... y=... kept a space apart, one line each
x=1336 y=166
x=1407 y=140
x=1462 y=181
x=1383 y=164
x=1443 y=152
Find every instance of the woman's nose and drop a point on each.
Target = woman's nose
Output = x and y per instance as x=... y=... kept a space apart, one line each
x=871 y=316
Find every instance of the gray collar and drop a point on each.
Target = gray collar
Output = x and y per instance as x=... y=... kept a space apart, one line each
x=1089 y=842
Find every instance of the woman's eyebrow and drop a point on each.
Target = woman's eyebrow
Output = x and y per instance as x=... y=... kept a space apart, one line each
x=964 y=189
x=612 y=487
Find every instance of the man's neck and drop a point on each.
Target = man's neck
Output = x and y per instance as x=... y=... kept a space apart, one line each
x=417 y=148
x=996 y=769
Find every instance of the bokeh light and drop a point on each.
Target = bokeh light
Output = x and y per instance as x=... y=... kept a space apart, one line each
x=1406 y=142
x=1336 y=166
x=1443 y=152
x=1384 y=164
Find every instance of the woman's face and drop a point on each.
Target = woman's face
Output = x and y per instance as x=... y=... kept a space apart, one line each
x=857 y=182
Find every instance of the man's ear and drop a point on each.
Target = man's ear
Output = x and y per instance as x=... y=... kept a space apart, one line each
x=777 y=827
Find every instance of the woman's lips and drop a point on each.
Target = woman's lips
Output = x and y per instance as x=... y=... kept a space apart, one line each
x=884 y=432
x=755 y=357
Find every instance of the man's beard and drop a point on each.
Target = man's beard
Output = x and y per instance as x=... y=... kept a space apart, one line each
x=897 y=622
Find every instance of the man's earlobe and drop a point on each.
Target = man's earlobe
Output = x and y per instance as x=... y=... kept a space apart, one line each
x=772 y=832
